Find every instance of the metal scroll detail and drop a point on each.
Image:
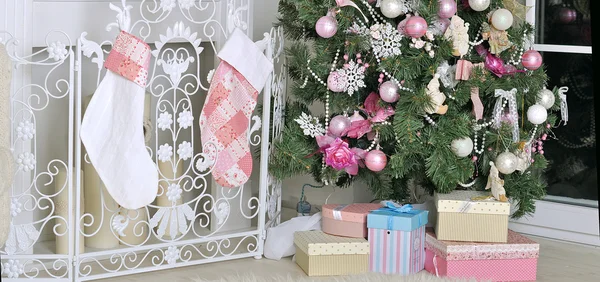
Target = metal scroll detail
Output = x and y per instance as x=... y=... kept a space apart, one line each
x=41 y=191
x=192 y=221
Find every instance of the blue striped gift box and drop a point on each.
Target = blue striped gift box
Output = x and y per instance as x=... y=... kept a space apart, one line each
x=396 y=251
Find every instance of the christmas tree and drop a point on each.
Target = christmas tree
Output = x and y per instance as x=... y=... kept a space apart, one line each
x=433 y=92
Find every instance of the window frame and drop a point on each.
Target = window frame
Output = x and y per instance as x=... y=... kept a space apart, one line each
x=560 y=218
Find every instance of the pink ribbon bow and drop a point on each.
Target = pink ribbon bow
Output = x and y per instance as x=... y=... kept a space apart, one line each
x=495 y=64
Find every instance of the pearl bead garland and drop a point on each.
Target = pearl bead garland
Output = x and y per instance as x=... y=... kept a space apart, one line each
x=323 y=165
x=517 y=61
x=314 y=74
x=476 y=42
x=477 y=128
x=374 y=143
x=533 y=132
x=305 y=83
x=337 y=55
x=373 y=13
x=429 y=120
x=327 y=111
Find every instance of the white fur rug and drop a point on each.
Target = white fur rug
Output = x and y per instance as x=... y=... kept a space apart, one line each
x=367 y=277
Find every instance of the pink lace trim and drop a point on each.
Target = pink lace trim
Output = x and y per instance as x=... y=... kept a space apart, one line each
x=517 y=247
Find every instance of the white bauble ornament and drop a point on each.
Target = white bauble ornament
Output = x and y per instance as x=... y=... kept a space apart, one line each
x=479 y=5
x=546 y=98
x=506 y=163
x=502 y=19
x=391 y=8
x=537 y=114
x=462 y=147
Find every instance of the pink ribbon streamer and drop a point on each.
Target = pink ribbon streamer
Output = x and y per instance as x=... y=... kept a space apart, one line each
x=344 y=3
x=477 y=105
x=463 y=70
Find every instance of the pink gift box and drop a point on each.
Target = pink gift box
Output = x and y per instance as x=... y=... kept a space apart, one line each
x=515 y=260
x=346 y=220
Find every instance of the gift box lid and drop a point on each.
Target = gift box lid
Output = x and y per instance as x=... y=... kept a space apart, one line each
x=401 y=218
x=315 y=243
x=516 y=247
x=350 y=212
x=476 y=202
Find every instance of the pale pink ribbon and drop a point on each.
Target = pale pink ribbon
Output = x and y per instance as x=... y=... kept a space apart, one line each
x=477 y=105
x=463 y=72
x=464 y=69
x=435 y=265
x=344 y=3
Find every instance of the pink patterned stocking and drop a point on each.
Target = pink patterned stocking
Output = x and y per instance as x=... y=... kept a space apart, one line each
x=231 y=99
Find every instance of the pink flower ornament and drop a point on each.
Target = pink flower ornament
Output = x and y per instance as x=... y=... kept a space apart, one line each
x=359 y=128
x=339 y=156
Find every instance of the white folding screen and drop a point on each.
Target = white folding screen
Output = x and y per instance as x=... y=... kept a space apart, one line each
x=64 y=225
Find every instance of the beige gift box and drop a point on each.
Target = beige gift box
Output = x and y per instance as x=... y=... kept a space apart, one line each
x=320 y=254
x=461 y=218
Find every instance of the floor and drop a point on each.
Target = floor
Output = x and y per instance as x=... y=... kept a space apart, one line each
x=558 y=262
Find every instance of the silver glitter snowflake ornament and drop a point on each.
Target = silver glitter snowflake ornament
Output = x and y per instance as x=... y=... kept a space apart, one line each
x=386 y=40
x=311 y=125
x=355 y=75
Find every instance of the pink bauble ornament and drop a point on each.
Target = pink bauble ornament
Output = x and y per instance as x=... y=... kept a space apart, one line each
x=388 y=91
x=326 y=26
x=447 y=9
x=376 y=160
x=338 y=126
x=416 y=27
x=443 y=24
x=567 y=15
x=402 y=25
x=532 y=60
x=336 y=82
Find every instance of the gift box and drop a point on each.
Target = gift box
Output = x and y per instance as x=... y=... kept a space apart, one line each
x=346 y=220
x=397 y=240
x=321 y=254
x=471 y=216
x=515 y=260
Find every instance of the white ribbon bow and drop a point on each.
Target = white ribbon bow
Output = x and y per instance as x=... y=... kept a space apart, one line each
x=447 y=74
x=564 y=109
x=510 y=96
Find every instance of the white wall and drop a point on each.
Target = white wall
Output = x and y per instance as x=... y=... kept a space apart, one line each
x=265 y=14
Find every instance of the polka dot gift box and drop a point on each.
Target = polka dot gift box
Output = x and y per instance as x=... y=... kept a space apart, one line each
x=515 y=260
x=347 y=220
x=471 y=216
x=321 y=254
